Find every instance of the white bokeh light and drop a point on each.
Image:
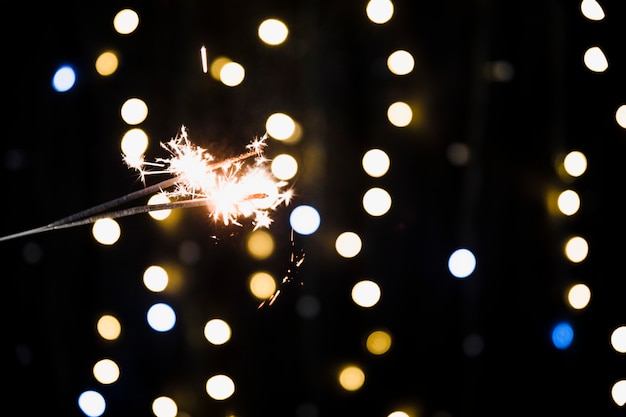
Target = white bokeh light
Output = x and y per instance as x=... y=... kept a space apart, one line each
x=462 y=263
x=161 y=317
x=304 y=220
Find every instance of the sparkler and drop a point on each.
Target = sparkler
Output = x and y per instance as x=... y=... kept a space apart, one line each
x=231 y=189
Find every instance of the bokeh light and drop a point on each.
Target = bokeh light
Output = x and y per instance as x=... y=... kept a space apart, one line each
x=351 y=377
x=164 y=407
x=216 y=66
x=366 y=293
x=262 y=285
x=379 y=11
x=161 y=317
x=575 y=163
x=579 y=296
x=106 y=231
x=576 y=249
x=618 y=392
x=304 y=220
x=273 y=31
x=159 y=198
x=106 y=63
x=134 y=144
x=106 y=371
x=284 y=166
x=592 y=10
x=378 y=342
x=400 y=114
x=109 y=327
x=91 y=403
x=126 y=21
x=155 y=278
x=595 y=59
x=134 y=111
x=217 y=331
x=376 y=201
x=400 y=62
x=462 y=263
x=220 y=387
x=348 y=244
x=618 y=339
x=562 y=335
x=375 y=163
x=64 y=79
x=260 y=244
x=280 y=126
x=568 y=202
x=620 y=116
x=232 y=74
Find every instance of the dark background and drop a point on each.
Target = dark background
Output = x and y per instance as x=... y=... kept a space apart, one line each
x=61 y=154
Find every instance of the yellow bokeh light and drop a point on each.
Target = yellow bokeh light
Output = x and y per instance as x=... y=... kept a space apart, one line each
x=217 y=331
x=106 y=63
x=366 y=293
x=220 y=387
x=579 y=296
x=126 y=21
x=273 y=31
x=284 y=166
x=595 y=59
x=575 y=163
x=262 y=285
x=400 y=114
x=134 y=144
x=164 y=407
x=618 y=392
x=591 y=10
x=280 y=126
x=232 y=74
x=260 y=244
x=379 y=11
x=378 y=342
x=568 y=202
x=106 y=371
x=576 y=249
x=109 y=327
x=375 y=163
x=348 y=244
x=134 y=111
x=400 y=62
x=217 y=65
x=160 y=198
x=376 y=201
x=620 y=116
x=351 y=377
x=155 y=278
x=106 y=231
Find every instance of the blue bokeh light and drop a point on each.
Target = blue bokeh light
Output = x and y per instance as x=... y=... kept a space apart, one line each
x=562 y=335
x=64 y=79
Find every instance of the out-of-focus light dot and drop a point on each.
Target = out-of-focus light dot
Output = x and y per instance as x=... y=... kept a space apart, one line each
x=618 y=339
x=134 y=144
x=568 y=202
x=262 y=285
x=304 y=220
x=400 y=62
x=366 y=293
x=379 y=11
x=376 y=201
x=348 y=244
x=398 y=414
x=400 y=114
x=161 y=317
x=458 y=153
x=591 y=10
x=106 y=371
x=579 y=296
x=164 y=407
x=217 y=331
x=91 y=403
x=351 y=377
x=575 y=163
x=273 y=31
x=106 y=63
x=378 y=342
x=126 y=21
x=64 y=79
x=159 y=198
x=595 y=59
x=562 y=335
x=576 y=249
x=462 y=263
x=499 y=71
x=108 y=327
x=375 y=163
x=220 y=387
x=473 y=345
x=216 y=66
x=260 y=244
x=106 y=231
x=620 y=116
x=280 y=126
x=308 y=306
x=134 y=111
x=232 y=74
x=618 y=392
x=155 y=278
x=284 y=166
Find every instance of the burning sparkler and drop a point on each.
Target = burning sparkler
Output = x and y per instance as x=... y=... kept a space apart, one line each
x=231 y=189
